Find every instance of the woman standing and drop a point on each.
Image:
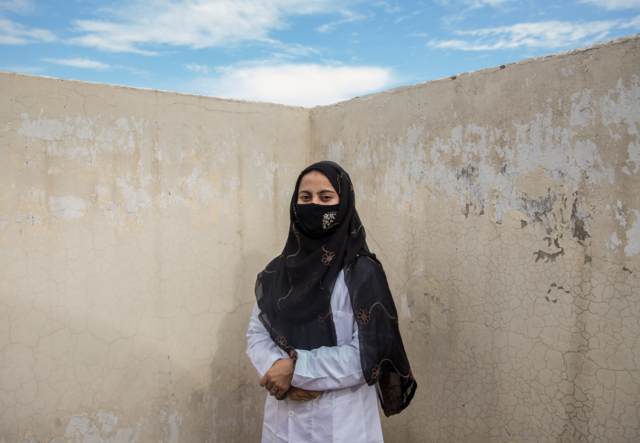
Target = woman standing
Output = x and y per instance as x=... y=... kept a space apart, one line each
x=323 y=362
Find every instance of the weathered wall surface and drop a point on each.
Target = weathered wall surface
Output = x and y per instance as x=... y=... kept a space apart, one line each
x=504 y=205
x=132 y=225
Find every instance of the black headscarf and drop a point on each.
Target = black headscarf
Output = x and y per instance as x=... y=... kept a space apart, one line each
x=294 y=294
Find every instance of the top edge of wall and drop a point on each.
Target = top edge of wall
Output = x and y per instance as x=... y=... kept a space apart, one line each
x=601 y=44
x=362 y=97
x=111 y=85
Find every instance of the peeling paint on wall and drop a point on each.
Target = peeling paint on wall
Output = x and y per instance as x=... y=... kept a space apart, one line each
x=100 y=428
x=67 y=208
x=633 y=237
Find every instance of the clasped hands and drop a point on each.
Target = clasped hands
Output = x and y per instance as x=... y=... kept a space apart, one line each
x=277 y=381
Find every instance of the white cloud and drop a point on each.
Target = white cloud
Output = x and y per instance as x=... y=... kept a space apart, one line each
x=197 y=68
x=19 y=6
x=614 y=4
x=547 y=35
x=493 y=3
x=292 y=50
x=633 y=23
x=23 y=69
x=404 y=17
x=297 y=84
x=473 y=3
x=193 y=23
x=387 y=7
x=78 y=63
x=350 y=18
x=12 y=33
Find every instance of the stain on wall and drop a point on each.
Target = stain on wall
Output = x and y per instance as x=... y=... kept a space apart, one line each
x=503 y=203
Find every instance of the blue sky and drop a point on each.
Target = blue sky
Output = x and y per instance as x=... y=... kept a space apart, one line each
x=297 y=52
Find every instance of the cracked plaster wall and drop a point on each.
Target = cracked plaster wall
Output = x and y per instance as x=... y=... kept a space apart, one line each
x=505 y=207
x=132 y=225
x=503 y=203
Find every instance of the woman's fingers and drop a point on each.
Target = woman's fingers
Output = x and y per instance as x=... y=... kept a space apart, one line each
x=274 y=387
x=302 y=395
x=277 y=380
x=295 y=394
x=270 y=386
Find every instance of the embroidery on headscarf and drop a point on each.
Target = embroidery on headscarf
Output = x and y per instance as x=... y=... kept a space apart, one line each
x=328 y=219
x=327 y=257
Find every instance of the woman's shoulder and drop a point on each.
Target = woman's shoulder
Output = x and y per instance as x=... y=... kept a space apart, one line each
x=366 y=266
x=367 y=282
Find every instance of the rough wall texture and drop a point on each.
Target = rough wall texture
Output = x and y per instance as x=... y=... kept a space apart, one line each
x=503 y=203
x=133 y=223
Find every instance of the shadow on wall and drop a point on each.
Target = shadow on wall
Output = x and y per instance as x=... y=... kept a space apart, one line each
x=230 y=408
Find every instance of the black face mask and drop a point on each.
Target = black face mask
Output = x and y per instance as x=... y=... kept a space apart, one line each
x=317 y=219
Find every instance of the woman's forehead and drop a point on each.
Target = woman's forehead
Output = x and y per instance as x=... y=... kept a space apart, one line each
x=315 y=180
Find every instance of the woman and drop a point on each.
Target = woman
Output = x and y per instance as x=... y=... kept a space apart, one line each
x=323 y=362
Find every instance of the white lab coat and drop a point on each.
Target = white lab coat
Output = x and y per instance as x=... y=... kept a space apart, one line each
x=346 y=411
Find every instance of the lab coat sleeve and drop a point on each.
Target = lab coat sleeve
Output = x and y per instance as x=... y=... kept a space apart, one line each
x=327 y=368
x=262 y=351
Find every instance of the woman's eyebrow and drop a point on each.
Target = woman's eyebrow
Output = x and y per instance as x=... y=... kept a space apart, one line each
x=324 y=191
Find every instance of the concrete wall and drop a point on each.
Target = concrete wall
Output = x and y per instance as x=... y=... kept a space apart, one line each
x=133 y=223
x=503 y=203
x=505 y=206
